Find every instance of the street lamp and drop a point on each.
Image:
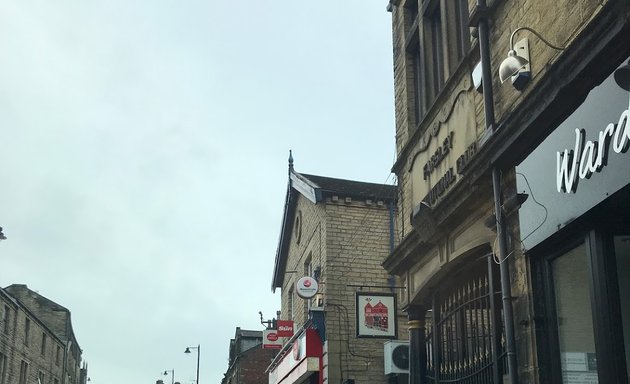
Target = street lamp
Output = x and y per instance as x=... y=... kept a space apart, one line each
x=172 y=375
x=198 y=348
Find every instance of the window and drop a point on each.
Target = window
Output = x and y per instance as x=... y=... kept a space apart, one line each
x=44 y=339
x=436 y=60
x=308 y=271
x=461 y=30
x=5 y=319
x=291 y=300
x=308 y=265
x=298 y=227
x=23 y=372
x=582 y=293
x=418 y=108
x=437 y=40
x=27 y=330
x=58 y=356
x=3 y=368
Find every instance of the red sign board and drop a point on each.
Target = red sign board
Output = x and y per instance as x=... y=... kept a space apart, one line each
x=271 y=339
x=285 y=328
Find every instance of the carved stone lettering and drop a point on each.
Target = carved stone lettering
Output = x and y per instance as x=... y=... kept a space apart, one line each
x=440 y=187
x=439 y=155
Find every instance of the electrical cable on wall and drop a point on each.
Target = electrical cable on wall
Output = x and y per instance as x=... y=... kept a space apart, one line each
x=345 y=317
x=531 y=193
x=521 y=241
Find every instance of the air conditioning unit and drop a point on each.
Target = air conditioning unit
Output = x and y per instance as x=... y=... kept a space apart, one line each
x=396 y=356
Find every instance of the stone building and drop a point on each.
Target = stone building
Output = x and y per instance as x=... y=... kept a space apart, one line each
x=248 y=361
x=37 y=344
x=513 y=196
x=335 y=234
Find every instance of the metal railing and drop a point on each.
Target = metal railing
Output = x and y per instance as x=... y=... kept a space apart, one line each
x=464 y=340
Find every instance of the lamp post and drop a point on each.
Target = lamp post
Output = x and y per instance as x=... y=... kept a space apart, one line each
x=172 y=375
x=198 y=348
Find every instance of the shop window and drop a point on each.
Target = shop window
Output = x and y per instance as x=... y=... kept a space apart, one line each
x=581 y=302
x=437 y=39
x=574 y=319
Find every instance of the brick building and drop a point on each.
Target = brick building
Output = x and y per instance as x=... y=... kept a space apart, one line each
x=37 y=344
x=248 y=360
x=337 y=233
x=513 y=200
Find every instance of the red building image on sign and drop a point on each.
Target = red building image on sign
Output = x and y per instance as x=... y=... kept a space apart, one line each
x=376 y=316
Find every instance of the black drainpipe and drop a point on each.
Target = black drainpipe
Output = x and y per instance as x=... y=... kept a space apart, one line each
x=488 y=102
x=391 y=227
x=391 y=280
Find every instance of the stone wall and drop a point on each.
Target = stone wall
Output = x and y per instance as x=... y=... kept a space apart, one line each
x=562 y=23
x=41 y=349
x=358 y=234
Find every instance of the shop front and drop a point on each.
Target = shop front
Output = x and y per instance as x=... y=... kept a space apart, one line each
x=299 y=361
x=575 y=231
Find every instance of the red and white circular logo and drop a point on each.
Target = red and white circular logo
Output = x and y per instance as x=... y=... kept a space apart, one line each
x=272 y=336
x=306 y=287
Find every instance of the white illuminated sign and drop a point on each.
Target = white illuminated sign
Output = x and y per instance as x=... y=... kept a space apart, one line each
x=591 y=156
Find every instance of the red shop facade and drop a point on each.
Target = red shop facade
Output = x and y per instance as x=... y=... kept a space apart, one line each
x=300 y=361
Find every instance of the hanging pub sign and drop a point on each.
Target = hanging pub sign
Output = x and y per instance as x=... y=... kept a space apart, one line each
x=285 y=328
x=271 y=340
x=306 y=287
x=376 y=315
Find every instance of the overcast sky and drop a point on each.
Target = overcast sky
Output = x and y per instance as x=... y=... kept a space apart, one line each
x=143 y=159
